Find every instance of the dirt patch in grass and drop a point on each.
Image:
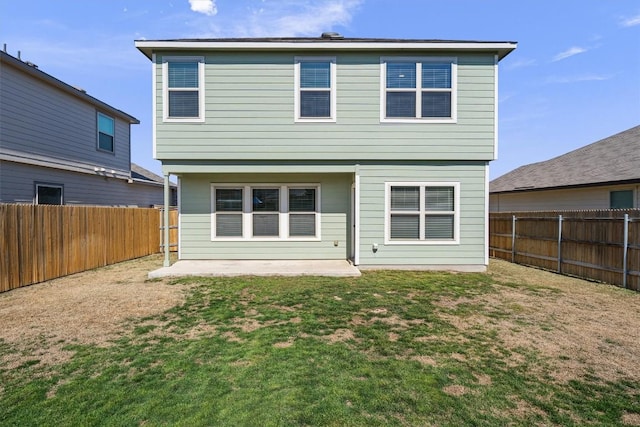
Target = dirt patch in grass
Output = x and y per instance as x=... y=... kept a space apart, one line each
x=583 y=327
x=455 y=390
x=631 y=419
x=38 y=321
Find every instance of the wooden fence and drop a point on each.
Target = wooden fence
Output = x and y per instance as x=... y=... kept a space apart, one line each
x=595 y=245
x=173 y=229
x=41 y=242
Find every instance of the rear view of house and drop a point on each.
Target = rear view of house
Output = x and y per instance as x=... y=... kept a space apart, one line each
x=374 y=150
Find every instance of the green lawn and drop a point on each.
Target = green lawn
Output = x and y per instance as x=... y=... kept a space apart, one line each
x=386 y=349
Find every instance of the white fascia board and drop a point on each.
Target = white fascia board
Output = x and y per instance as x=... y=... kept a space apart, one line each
x=504 y=48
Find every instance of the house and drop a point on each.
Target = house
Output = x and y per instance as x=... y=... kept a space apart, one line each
x=334 y=148
x=59 y=145
x=602 y=175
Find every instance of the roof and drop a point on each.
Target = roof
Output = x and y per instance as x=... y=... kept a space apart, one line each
x=141 y=174
x=615 y=159
x=33 y=70
x=329 y=41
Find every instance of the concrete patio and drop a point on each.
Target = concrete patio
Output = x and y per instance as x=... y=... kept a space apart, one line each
x=334 y=268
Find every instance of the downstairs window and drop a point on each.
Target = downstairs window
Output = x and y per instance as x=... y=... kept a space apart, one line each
x=422 y=213
x=271 y=212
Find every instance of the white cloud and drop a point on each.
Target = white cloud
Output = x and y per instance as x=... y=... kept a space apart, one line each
x=521 y=63
x=282 y=18
x=631 y=21
x=575 y=50
x=579 y=78
x=206 y=7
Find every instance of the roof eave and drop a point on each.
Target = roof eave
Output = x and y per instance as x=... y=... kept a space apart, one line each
x=569 y=187
x=502 y=49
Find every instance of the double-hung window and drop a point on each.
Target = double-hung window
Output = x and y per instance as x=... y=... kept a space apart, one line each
x=315 y=87
x=183 y=89
x=422 y=213
x=418 y=89
x=106 y=133
x=272 y=212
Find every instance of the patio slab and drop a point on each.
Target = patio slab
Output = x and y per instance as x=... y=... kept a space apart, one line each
x=211 y=268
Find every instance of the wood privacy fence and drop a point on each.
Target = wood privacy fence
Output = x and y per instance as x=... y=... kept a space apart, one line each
x=41 y=242
x=173 y=229
x=595 y=245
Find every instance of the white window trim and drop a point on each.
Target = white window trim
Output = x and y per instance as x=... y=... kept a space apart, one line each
x=247 y=213
x=422 y=213
x=165 y=89
x=418 y=89
x=98 y=114
x=44 y=184
x=332 y=89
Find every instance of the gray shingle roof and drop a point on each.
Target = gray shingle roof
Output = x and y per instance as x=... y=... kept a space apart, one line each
x=610 y=160
x=141 y=174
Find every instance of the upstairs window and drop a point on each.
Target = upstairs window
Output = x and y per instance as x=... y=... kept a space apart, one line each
x=418 y=89
x=106 y=133
x=315 y=89
x=183 y=89
x=422 y=213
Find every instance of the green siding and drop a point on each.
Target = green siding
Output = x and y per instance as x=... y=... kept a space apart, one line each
x=195 y=219
x=470 y=250
x=249 y=114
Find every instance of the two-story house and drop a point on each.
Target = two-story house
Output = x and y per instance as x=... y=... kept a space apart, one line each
x=59 y=145
x=374 y=150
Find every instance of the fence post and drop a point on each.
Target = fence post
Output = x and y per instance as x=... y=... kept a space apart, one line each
x=559 y=243
x=625 y=250
x=513 y=238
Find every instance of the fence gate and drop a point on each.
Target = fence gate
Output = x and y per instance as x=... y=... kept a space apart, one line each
x=173 y=230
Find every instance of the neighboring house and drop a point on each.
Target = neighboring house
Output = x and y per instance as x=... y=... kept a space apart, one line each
x=602 y=175
x=374 y=150
x=59 y=145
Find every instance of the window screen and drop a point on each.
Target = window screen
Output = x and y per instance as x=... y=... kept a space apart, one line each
x=48 y=194
x=621 y=199
x=183 y=89
x=106 y=132
x=420 y=89
x=315 y=89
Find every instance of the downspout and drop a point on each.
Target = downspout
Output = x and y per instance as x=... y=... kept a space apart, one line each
x=167 y=202
x=356 y=252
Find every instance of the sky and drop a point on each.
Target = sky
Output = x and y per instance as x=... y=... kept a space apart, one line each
x=573 y=80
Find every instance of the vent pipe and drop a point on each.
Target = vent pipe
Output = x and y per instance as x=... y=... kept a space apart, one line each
x=332 y=36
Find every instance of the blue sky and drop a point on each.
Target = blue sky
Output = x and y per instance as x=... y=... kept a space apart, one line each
x=574 y=79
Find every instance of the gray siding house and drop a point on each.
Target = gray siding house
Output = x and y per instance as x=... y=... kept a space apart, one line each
x=59 y=145
x=602 y=175
x=374 y=150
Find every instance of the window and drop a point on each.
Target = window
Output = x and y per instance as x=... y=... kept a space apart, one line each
x=422 y=213
x=315 y=89
x=49 y=194
x=302 y=212
x=106 y=133
x=229 y=208
x=621 y=199
x=183 y=79
x=266 y=212
x=418 y=89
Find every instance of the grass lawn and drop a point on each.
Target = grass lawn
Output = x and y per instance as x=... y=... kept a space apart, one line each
x=385 y=349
